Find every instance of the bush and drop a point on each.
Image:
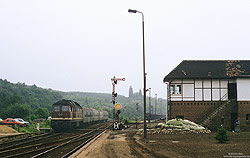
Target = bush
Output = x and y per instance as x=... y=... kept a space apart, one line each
x=27 y=129
x=221 y=135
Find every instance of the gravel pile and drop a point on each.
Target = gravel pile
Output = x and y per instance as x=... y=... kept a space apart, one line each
x=6 y=129
x=176 y=126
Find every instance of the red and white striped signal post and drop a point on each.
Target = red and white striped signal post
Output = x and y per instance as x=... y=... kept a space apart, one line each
x=116 y=106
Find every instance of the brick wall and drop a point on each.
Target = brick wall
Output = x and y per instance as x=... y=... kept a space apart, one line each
x=198 y=111
x=193 y=111
x=244 y=109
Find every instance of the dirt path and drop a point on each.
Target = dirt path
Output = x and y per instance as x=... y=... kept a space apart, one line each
x=198 y=145
x=116 y=145
x=138 y=149
x=128 y=144
x=112 y=144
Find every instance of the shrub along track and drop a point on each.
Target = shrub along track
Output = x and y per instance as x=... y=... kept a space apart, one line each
x=52 y=145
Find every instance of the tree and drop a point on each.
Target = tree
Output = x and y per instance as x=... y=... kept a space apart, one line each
x=15 y=94
x=221 y=135
x=17 y=111
x=41 y=113
x=131 y=93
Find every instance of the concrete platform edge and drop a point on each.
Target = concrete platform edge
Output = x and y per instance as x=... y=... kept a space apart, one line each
x=86 y=146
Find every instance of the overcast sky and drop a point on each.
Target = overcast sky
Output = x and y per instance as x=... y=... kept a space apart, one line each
x=80 y=45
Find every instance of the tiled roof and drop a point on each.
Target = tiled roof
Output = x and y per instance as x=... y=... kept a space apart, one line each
x=207 y=69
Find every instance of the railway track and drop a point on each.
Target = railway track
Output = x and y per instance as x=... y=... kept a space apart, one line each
x=24 y=140
x=54 y=144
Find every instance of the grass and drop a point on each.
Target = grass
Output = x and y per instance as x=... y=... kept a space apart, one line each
x=131 y=121
x=31 y=129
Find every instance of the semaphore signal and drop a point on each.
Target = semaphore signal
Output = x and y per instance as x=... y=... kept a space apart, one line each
x=116 y=106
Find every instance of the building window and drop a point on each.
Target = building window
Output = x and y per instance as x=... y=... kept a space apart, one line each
x=175 y=89
x=248 y=118
x=172 y=89
x=178 y=89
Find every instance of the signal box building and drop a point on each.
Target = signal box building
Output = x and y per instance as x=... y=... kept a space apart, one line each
x=210 y=92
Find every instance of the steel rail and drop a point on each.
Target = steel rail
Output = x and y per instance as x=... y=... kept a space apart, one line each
x=27 y=142
x=24 y=139
x=50 y=148
x=37 y=145
x=81 y=145
x=101 y=131
x=78 y=138
x=90 y=137
x=46 y=145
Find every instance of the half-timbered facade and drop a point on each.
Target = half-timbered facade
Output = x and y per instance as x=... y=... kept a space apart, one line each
x=210 y=92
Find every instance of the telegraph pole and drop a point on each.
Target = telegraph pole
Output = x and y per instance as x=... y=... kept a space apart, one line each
x=29 y=109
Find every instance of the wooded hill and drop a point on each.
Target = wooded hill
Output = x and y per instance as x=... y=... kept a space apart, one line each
x=16 y=98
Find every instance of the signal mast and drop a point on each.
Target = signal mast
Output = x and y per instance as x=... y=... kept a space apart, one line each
x=116 y=105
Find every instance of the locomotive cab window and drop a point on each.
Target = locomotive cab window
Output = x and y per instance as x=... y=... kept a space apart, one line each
x=65 y=108
x=56 y=108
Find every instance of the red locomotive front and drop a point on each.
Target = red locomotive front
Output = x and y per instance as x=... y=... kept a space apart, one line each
x=62 y=112
x=66 y=114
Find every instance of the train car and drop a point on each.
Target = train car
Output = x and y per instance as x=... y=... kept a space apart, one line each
x=100 y=115
x=105 y=116
x=95 y=117
x=66 y=114
x=87 y=115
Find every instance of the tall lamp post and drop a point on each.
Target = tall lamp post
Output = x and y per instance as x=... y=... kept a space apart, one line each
x=149 y=104
x=144 y=73
x=155 y=104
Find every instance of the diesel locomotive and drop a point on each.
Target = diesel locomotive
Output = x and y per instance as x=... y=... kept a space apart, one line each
x=68 y=114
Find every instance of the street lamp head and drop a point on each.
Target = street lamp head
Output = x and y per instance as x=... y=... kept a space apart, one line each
x=132 y=11
x=148 y=89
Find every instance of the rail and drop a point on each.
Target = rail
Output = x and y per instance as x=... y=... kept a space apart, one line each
x=79 y=142
x=27 y=138
x=52 y=145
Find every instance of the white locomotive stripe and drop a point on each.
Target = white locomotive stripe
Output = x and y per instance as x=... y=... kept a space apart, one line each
x=61 y=119
x=66 y=118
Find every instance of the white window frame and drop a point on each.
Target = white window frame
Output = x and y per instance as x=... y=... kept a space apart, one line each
x=248 y=118
x=176 y=89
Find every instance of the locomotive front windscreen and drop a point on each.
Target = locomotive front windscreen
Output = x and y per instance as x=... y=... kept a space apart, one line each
x=56 y=108
x=65 y=108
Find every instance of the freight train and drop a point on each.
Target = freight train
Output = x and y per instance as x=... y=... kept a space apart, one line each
x=68 y=114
